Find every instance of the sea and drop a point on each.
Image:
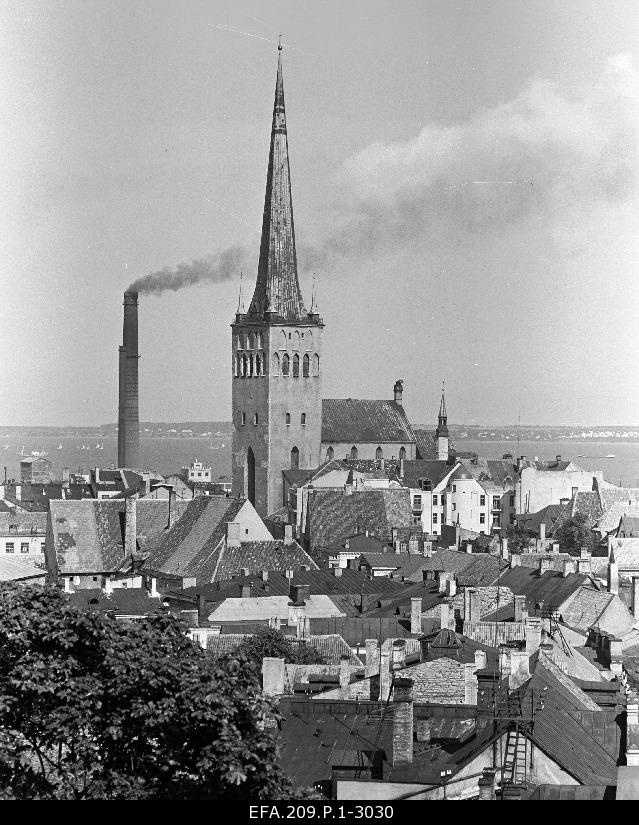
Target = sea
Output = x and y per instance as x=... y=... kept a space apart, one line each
x=619 y=462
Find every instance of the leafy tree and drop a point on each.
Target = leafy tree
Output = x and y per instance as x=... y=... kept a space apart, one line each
x=575 y=534
x=91 y=708
x=271 y=642
x=518 y=538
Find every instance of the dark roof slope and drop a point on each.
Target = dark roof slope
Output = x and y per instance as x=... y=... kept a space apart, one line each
x=225 y=562
x=427 y=446
x=360 y=421
x=334 y=514
x=133 y=601
x=552 y=588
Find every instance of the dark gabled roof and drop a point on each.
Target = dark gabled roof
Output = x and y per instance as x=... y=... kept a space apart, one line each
x=587 y=504
x=482 y=571
x=334 y=514
x=360 y=421
x=355 y=630
x=331 y=648
x=449 y=561
x=399 y=604
x=571 y=728
x=24 y=524
x=427 y=445
x=225 y=562
x=321 y=582
x=296 y=478
x=358 y=543
x=532 y=521
x=133 y=601
x=186 y=548
x=432 y=470
x=552 y=588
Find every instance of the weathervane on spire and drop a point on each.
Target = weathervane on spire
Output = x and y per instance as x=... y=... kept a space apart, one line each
x=240 y=308
x=279 y=43
x=313 y=307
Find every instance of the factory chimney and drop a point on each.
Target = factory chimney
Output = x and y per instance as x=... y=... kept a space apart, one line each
x=128 y=416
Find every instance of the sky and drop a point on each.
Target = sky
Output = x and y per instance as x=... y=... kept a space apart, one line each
x=465 y=182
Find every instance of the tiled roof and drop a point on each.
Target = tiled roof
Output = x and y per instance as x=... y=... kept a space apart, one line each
x=552 y=588
x=14 y=569
x=188 y=546
x=129 y=601
x=557 y=560
x=586 y=608
x=357 y=543
x=88 y=535
x=611 y=519
x=225 y=562
x=626 y=553
x=355 y=630
x=484 y=570
x=399 y=603
x=23 y=523
x=357 y=421
x=267 y=607
x=331 y=648
x=427 y=445
x=449 y=561
x=629 y=527
x=334 y=514
x=432 y=470
x=548 y=515
x=349 y=582
x=587 y=504
x=572 y=729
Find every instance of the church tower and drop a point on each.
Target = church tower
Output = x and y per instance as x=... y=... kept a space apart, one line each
x=441 y=433
x=276 y=349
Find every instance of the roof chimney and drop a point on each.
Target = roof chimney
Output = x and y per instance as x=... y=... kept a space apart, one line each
x=415 y=616
x=371 y=665
x=398 y=390
x=288 y=534
x=344 y=674
x=398 y=654
x=130 y=525
x=402 y=741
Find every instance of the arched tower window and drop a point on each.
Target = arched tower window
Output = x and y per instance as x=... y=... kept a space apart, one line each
x=309 y=339
x=315 y=365
x=353 y=453
x=251 y=341
x=240 y=341
x=244 y=366
x=285 y=364
x=295 y=459
x=296 y=366
x=306 y=362
x=275 y=364
x=330 y=453
x=402 y=452
x=288 y=418
x=259 y=340
x=296 y=340
x=238 y=364
x=379 y=453
x=282 y=340
x=255 y=419
x=251 y=365
x=303 y=419
x=258 y=364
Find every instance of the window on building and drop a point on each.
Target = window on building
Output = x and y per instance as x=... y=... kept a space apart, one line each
x=482 y=501
x=353 y=453
x=286 y=364
x=295 y=459
x=402 y=453
x=306 y=366
x=417 y=520
x=24 y=547
x=330 y=453
x=316 y=365
x=417 y=502
x=42 y=545
x=10 y=547
x=379 y=453
x=199 y=475
x=296 y=366
x=244 y=366
x=454 y=488
x=258 y=364
x=275 y=364
x=482 y=518
x=243 y=419
x=288 y=418
x=454 y=506
x=434 y=518
x=496 y=520
x=303 y=419
x=512 y=518
x=251 y=341
x=512 y=501
x=435 y=501
x=496 y=503
x=255 y=419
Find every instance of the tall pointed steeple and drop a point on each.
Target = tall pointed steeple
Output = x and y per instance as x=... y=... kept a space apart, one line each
x=277 y=291
x=442 y=425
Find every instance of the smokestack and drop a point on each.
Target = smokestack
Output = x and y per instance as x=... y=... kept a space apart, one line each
x=128 y=415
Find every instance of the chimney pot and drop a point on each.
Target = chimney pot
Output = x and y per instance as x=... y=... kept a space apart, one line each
x=402 y=741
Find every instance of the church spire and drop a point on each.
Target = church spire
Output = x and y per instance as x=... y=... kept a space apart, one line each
x=277 y=289
x=442 y=425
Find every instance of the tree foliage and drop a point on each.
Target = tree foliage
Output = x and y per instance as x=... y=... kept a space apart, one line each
x=94 y=709
x=575 y=534
x=518 y=539
x=271 y=642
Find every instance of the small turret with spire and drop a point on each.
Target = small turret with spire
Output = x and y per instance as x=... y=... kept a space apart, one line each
x=441 y=433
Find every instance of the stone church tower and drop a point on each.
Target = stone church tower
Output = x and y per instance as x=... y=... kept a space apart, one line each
x=276 y=349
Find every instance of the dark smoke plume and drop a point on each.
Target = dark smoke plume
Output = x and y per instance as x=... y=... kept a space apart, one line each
x=219 y=267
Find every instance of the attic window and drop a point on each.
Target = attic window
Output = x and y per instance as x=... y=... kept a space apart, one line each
x=93 y=601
